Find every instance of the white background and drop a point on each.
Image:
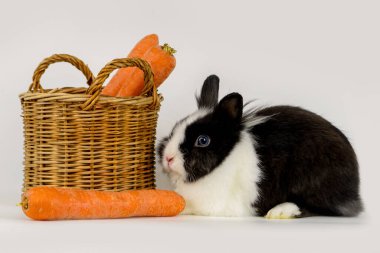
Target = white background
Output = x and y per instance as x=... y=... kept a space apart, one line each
x=321 y=55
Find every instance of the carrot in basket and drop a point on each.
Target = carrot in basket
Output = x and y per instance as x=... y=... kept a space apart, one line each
x=146 y=43
x=162 y=62
x=54 y=203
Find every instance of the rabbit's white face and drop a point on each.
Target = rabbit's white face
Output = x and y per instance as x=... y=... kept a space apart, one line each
x=172 y=159
x=199 y=143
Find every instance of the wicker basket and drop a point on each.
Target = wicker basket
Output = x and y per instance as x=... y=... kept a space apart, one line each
x=75 y=137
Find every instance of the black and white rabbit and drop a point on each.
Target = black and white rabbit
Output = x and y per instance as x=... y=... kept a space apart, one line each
x=278 y=162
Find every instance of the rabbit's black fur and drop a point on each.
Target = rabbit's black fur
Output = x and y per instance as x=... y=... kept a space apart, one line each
x=305 y=160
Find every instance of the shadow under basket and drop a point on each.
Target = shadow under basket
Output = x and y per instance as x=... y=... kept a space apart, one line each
x=76 y=137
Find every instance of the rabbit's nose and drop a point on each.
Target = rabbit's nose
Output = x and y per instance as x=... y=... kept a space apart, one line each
x=169 y=158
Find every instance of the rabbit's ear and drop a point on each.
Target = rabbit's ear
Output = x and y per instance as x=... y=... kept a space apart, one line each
x=209 y=94
x=231 y=107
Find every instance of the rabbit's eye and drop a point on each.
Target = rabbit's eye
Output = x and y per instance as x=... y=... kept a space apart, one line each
x=202 y=141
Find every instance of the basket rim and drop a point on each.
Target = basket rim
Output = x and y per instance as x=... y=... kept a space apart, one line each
x=66 y=94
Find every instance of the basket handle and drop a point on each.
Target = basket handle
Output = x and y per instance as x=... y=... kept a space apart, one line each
x=96 y=88
x=40 y=70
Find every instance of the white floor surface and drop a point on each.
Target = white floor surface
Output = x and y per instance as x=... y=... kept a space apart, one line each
x=187 y=234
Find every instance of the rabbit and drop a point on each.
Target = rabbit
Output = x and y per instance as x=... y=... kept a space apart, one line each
x=229 y=159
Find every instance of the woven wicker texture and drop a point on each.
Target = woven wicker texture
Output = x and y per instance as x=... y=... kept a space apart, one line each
x=74 y=137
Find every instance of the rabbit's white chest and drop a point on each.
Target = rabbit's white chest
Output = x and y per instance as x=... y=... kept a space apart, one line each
x=230 y=190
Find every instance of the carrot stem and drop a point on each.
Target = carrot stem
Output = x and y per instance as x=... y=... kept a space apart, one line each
x=168 y=49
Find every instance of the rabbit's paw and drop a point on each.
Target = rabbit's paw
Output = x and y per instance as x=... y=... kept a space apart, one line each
x=285 y=210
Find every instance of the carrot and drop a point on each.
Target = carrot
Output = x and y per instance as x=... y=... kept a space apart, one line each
x=146 y=43
x=54 y=203
x=162 y=62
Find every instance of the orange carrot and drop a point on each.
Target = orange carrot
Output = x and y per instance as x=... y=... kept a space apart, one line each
x=54 y=203
x=162 y=62
x=144 y=45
